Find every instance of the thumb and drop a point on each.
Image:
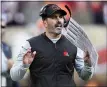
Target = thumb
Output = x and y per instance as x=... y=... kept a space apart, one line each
x=34 y=53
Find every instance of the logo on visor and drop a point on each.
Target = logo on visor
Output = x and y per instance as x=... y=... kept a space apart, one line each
x=54 y=7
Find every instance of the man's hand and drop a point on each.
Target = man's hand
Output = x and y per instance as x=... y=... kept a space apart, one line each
x=87 y=58
x=29 y=56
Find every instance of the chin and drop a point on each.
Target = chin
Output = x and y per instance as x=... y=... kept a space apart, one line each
x=59 y=32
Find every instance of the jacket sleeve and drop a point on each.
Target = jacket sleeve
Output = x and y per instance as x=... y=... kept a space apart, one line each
x=84 y=71
x=19 y=69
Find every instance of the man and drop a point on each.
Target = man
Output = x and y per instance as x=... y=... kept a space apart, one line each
x=7 y=62
x=50 y=57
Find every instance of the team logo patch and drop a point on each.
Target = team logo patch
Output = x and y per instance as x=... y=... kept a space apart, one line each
x=54 y=7
x=65 y=53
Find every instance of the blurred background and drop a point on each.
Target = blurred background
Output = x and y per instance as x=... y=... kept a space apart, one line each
x=20 y=20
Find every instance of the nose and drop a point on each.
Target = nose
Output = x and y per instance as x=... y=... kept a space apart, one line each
x=58 y=19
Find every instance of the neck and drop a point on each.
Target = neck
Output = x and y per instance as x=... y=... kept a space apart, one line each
x=53 y=36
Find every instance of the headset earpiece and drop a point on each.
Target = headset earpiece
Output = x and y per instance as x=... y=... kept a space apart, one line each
x=65 y=22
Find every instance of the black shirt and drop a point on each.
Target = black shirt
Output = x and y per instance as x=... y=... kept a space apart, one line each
x=53 y=65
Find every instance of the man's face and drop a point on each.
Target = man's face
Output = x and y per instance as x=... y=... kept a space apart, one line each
x=54 y=24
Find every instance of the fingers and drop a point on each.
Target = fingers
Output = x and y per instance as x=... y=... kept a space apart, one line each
x=87 y=58
x=29 y=56
x=34 y=53
x=86 y=53
x=32 y=56
x=29 y=52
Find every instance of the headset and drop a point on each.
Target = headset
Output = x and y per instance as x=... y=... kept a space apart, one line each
x=43 y=13
x=67 y=21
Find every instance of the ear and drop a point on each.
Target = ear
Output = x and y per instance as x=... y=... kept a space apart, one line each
x=45 y=23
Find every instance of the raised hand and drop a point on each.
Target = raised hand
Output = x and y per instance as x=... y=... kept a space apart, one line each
x=28 y=57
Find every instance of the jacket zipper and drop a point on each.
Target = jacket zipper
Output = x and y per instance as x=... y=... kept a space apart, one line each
x=55 y=67
x=55 y=46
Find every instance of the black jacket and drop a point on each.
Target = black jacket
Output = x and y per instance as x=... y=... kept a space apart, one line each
x=53 y=65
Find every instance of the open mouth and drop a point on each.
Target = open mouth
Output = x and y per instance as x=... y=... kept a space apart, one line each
x=58 y=27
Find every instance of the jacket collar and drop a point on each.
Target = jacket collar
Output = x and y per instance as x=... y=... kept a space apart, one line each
x=46 y=38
